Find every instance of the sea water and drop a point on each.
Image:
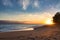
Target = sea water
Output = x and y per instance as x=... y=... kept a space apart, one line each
x=16 y=27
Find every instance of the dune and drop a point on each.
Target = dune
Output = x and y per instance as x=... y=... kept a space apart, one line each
x=46 y=32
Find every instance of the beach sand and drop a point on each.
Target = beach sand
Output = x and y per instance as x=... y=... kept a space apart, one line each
x=47 y=32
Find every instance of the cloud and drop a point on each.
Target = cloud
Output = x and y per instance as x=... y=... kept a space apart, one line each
x=25 y=17
x=7 y=3
x=25 y=4
x=52 y=9
x=36 y=4
x=49 y=12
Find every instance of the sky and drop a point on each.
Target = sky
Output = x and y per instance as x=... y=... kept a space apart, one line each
x=34 y=11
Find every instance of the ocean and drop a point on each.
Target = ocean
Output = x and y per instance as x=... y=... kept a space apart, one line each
x=16 y=27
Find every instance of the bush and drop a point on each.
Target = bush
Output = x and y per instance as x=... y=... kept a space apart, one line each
x=56 y=18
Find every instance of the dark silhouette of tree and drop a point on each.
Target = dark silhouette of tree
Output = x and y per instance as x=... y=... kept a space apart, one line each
x=56 y=18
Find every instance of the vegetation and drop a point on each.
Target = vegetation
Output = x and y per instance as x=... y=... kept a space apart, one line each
x=56 y=18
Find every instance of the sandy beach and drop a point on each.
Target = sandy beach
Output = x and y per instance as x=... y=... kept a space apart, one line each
x=41 y=33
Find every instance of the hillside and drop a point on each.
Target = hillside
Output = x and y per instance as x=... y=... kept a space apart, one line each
x=10 y=22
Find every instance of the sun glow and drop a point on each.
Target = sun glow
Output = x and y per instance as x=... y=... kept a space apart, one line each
x=49 y=21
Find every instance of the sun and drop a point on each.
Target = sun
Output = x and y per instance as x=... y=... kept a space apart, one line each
x=49 y=21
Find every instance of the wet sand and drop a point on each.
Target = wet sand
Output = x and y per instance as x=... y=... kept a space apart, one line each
x=47 y=32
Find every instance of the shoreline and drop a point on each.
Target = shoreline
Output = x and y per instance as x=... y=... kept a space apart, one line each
x=42 y=33
x=26 y=29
